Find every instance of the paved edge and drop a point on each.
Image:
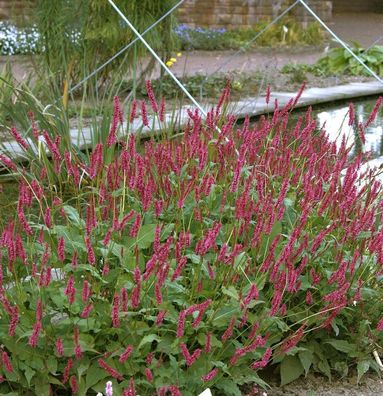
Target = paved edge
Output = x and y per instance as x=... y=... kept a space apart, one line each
x=250 y=106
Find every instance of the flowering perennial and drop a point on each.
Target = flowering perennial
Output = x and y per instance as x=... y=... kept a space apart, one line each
x=190 y=261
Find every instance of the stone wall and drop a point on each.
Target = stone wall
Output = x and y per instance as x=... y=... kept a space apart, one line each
x=245 y=13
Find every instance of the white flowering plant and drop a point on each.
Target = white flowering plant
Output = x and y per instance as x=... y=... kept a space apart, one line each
x=18 y=41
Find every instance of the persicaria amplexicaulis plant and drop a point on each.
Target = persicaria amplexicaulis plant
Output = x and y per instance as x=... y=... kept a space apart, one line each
x=169 y=266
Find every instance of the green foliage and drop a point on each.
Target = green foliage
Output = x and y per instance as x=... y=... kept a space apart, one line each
x=78 y=36
x=340 y=61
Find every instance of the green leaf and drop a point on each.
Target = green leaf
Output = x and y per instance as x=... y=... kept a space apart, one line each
x=29 y=373
x=93 y=375
x=148 y=340
x=145 y=236
x=291 y=369
x=341 y=345
x=341 y=368
x=324 y=368
x=42 y=386
x=73 y=215
x=362 y=368
x=52 y=364
x=166 y=231
x=228 y=387
x=306 y=358
x=231 y=292
x=239 y=259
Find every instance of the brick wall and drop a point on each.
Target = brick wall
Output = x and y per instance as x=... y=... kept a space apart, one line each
x=244 y=13
x=18 y=10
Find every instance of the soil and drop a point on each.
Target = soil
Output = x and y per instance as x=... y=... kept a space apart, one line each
x=314 y=385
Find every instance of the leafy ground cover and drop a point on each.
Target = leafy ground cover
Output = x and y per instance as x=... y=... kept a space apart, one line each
x=340 y=62
x=191 y=262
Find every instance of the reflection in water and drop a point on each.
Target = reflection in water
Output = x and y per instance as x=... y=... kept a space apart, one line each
x=336 y=121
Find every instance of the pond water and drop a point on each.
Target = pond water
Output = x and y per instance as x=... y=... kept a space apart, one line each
x=335 y=118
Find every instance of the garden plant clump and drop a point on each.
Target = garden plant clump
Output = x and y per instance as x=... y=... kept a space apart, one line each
x=18 y=41
x=287 y=32
x=190 y=262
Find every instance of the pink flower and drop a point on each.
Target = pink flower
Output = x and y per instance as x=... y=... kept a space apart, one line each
x=160 y=318
x=59 y=347
x=379 y=327
x=70 y=290
x=208 y=343
x=229 y=331
x=48 y=218
x=124 y=300
x=73 y=384
x=33 y=339
x=23 y=221
x=152 y=99
x=292 y=341
x=116 y=120
x=267 y=94
x=115 y=310
x=252 y=294
x=131 y=391
x=86 y=311
x=144 y=114
x=190 y=359
x=19 y=139
x=263 y=362
x=67 y=370
x=158 y=294
x=181 y=324
x=135 y=299
x=8 y=163
x=15 y=318
x=89 y=247
x=77 y=348
x=125 y=355
x=351 y=114
x=209 y=376
x=135 y=227
x=61 y=249
x=133 y=111
x=6 y=362
x=148 y=374
x=110 y=370
x=85 y=292
x=161 y=115
x=374 y=112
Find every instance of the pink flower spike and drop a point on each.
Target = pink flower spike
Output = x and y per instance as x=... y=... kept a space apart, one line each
x=61 y=249
x=152 y=99
x=59 y=347
x=144 y=114
x=149 y=375
x=209 y=376
x=125 y=355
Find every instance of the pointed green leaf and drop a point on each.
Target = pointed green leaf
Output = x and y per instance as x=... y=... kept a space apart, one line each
x=362 y=368
x=291 y=369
